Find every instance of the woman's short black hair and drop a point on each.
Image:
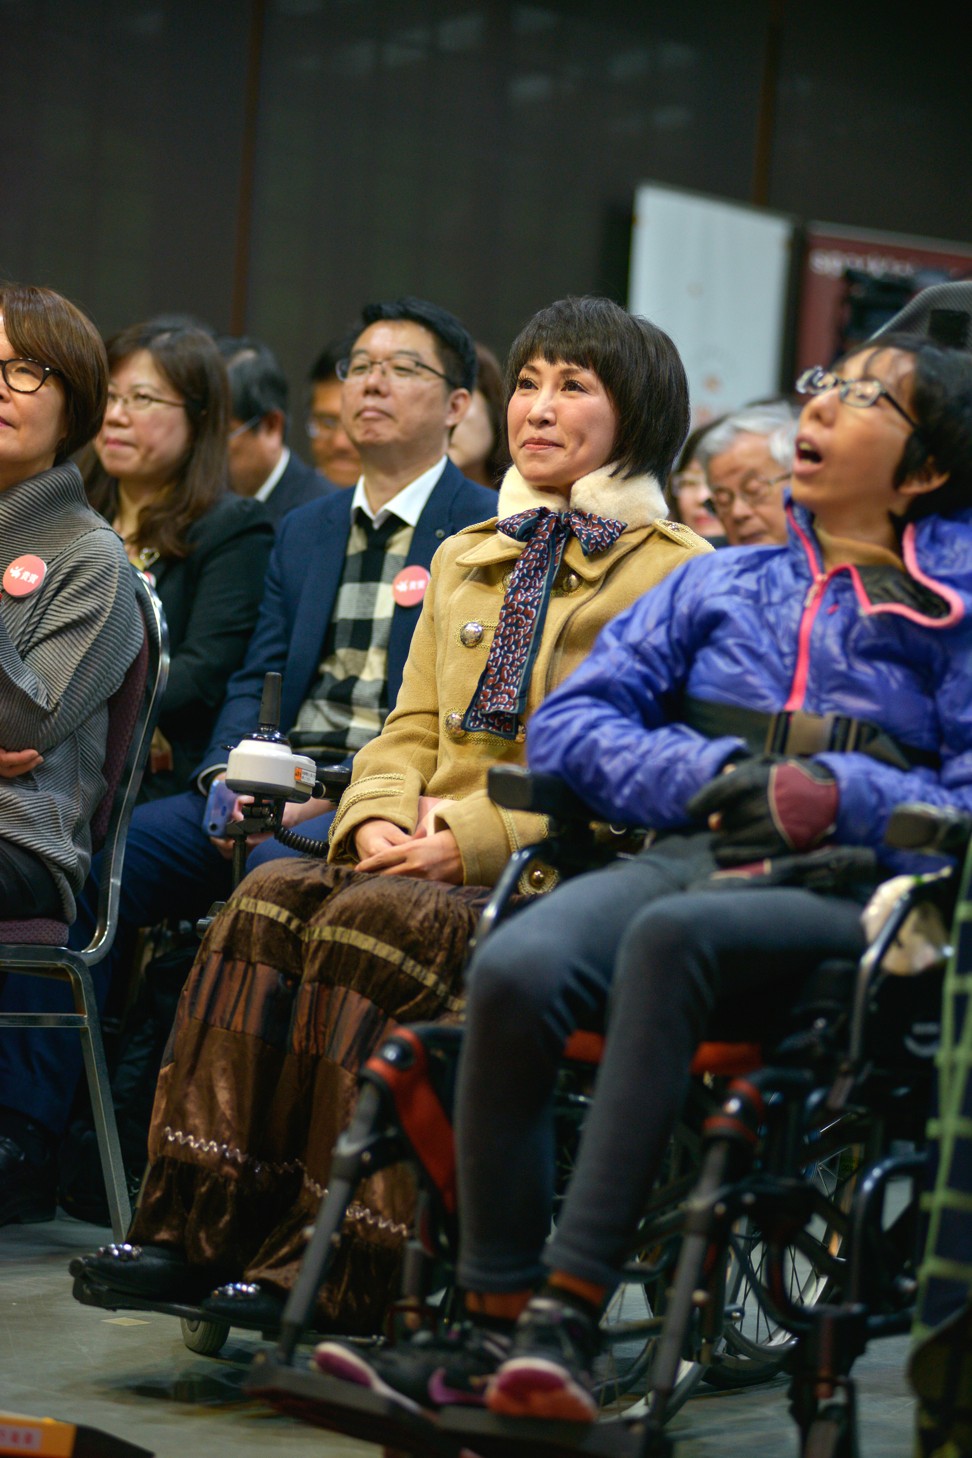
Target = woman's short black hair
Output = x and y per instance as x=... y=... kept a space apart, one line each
x=325 y=365
x=941 y=402
x=637 y=364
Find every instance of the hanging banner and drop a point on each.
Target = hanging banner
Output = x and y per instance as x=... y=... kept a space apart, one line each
x=715 y=276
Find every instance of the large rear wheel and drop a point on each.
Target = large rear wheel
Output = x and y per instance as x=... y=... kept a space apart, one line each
x=756 y=1345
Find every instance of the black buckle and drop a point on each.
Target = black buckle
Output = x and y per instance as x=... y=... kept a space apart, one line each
x=797 y=732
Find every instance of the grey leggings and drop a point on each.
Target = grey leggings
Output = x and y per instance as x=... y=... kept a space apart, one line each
x=677 y=964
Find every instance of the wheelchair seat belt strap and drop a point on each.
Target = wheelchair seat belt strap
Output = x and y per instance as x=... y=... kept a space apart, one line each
x=796 y=732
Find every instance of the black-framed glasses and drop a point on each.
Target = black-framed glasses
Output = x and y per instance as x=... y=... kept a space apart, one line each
x=859 y=393
x=139 y=400
x=754 y=492
x=25 y=376
x=400 y=366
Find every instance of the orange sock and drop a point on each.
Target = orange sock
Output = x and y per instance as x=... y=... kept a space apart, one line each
x=586 y=1290
x=497 y=1305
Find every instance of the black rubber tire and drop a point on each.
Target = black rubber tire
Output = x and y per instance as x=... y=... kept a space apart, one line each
x=205 y=1338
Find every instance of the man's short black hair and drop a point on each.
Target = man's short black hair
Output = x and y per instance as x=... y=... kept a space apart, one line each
x=325 y=365
x=941 y=402
x=257 y=383
x=637 y=364
x=453 y=343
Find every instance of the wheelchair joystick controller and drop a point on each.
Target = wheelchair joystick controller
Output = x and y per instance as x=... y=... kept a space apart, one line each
x=264 y=767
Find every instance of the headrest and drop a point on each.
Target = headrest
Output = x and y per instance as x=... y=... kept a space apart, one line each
x=943 y=312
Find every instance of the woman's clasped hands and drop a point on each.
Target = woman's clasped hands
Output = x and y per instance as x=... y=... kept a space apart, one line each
x=428 y=854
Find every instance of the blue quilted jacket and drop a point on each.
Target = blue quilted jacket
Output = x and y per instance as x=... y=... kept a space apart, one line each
x=768 y=628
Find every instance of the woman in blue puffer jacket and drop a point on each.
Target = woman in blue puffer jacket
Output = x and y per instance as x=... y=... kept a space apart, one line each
x=848 y=653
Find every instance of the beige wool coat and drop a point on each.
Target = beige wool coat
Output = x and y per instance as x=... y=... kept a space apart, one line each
x=423 y=749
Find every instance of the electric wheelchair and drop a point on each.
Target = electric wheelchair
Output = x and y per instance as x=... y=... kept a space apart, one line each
x=764 y=1248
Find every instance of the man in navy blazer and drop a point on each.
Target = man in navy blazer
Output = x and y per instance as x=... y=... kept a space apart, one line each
x=301 y=585
x=409 y=380
x=260 y=462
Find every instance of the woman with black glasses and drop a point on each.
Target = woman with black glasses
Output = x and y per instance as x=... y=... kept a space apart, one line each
x=69 y=629
x=69 y=626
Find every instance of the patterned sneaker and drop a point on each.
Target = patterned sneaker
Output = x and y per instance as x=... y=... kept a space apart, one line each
x=548 y=1373
x=433 y=1370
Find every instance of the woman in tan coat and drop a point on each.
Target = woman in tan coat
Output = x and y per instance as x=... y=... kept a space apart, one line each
x=309 y=965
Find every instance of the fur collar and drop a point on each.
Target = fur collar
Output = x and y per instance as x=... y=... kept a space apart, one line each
x=637 y=501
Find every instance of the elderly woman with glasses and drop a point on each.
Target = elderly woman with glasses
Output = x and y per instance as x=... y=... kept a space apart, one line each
x=848 y=651
x=309 y=965
x=160 y=477
x=746 y=459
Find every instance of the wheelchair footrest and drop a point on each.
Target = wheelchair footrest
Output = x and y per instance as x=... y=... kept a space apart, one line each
x=492 y=1436
x=346 y=1408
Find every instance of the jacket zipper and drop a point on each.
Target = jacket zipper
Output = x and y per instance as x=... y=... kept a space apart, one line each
x=811 y=607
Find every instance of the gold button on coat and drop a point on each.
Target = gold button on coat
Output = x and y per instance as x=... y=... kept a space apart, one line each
x=571 y=582
x=471 y=635
x=453 y=725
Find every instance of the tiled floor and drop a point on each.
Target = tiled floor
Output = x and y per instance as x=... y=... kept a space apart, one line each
x=133 y=1377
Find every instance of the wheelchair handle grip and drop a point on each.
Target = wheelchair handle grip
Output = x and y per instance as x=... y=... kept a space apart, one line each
x=517 y=788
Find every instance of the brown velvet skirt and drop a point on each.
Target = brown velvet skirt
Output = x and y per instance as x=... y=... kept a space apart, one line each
x=297 y=981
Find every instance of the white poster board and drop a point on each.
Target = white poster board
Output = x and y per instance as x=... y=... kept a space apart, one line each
x=714 y=275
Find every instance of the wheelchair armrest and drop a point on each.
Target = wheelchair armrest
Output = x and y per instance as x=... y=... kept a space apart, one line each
x=516 y=788
x=922 y=827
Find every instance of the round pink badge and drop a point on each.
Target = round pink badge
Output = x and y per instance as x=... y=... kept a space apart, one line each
x=24 y=576
x=408 y=586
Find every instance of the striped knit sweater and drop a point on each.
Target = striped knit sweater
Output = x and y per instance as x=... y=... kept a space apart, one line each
x=64 y=650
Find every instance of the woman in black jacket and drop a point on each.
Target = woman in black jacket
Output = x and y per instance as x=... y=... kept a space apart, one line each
x=160 y=478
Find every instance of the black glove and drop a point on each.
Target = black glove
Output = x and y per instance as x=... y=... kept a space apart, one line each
x=768 y=808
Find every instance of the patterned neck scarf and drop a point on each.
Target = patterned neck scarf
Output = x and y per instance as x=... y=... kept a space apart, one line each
x=501 y=694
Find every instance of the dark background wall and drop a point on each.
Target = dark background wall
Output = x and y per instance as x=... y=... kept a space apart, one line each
x=271 y=164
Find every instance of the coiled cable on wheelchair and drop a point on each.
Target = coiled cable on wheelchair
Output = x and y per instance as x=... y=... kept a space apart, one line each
x=302 y=843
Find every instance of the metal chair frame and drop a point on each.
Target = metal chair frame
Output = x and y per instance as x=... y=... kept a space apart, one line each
x=74 y=967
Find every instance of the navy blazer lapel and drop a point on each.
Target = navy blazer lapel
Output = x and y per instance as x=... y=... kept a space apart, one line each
x=440 y=517
x=317 y=560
